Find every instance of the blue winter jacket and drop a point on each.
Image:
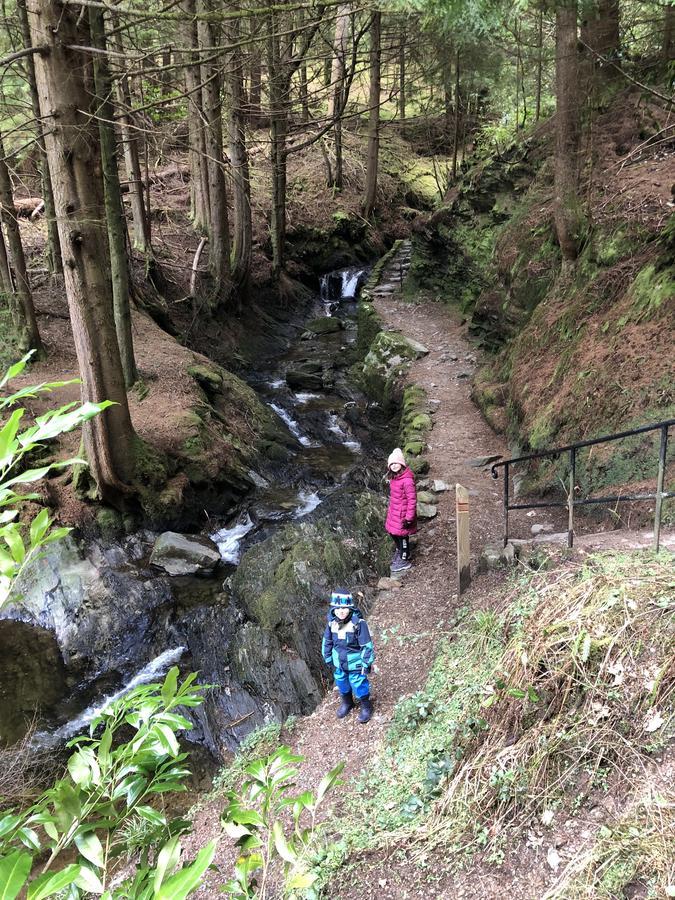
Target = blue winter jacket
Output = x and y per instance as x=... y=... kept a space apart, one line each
x=347 y=644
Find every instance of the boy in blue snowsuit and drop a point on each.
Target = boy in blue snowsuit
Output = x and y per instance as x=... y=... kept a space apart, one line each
x=348 y=648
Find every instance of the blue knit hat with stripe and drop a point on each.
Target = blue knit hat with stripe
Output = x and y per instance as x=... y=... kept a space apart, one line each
x=341 y=597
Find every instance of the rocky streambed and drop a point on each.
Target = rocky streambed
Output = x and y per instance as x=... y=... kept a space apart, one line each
x=243 y=602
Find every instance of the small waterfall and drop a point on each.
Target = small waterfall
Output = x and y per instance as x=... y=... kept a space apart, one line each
x=309 y=500
x=336 y=428
x=45 y=739
x=293 y=426
x=305 y=396
x=229 y=540
x=350 y=283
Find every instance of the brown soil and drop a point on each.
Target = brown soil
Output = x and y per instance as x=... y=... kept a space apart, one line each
x=422 y=605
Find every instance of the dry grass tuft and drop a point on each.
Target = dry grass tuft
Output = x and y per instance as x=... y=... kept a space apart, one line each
x=25 y=772
x=585 y=689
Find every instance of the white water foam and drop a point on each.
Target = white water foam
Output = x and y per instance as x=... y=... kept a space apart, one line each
x=350 y=281
x=229 y=540
x=157 y=666
x=293 y=426
x=305 y=397
x=276 y=384
x=309 y=500
x=336 y=428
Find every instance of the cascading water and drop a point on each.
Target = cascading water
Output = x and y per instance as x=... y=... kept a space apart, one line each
x=45 y=739
x=202 y=614
x=343 y=284
x=229 y=540
x=293 y=426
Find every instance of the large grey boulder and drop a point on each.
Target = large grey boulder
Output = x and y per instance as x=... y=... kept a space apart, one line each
x=185 y=554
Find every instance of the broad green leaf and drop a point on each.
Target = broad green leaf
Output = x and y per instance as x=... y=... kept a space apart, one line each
x=167 y=860
x=235 y=831
x=8 y=443
x=16 y=369
x=151 y=815
x=89 y=881
x=167 y=739
x=14 y=541
x=169 y=687
x=329 y=781
x=79 y=769
x=28 y=838
x=39 y=526
x=283 y=848
x=14 y=870
x=184 y=882
x=90 y=847
x=52 y=882
x=300 y=881
x=8 y=823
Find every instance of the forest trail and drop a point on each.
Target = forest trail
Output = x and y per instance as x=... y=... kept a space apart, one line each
x=408 y=620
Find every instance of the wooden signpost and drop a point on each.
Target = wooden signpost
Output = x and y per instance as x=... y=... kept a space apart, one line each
x=463 y=539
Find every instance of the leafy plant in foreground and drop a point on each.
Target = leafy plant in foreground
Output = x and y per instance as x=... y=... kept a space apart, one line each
x=255 y=819
x=18 y=543
x=109 y=785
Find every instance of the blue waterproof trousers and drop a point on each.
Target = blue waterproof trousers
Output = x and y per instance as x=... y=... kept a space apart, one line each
x=348 y=682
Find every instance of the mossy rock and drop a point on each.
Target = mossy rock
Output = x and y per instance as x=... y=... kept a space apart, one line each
x=208 y=377
x=110 y=523
x=419 y=465
x=421 y=422
x=325 y=325
x=414 y=448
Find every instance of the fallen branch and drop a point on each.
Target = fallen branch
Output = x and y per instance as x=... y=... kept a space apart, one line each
x=195 y=266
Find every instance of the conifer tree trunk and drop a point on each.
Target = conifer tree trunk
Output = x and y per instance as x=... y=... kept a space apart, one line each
x=278 y=99
x=567 y=206
x=600 y=31
x=540 y=62
x=6 y=283
x=211 y=79
x=199 y=183
x=242 y=244
x=63 y=77
x=401 y=83
x=455 y=139
x=53 y=249
x=374 y=115
x=23 y=311
x=140 y=215
x=668 y=47
x=114 y=207
x=255 y=88
x=337 y=87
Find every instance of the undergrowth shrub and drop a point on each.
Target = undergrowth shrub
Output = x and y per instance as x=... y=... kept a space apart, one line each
x=568 y=690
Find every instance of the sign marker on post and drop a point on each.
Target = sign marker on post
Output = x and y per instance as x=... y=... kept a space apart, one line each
x=463 y=539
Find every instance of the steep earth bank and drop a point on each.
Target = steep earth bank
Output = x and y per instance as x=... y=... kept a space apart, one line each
x=600 y=336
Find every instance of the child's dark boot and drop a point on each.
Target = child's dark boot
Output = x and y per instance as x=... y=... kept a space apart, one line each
x=346 y=706
x=366 y=710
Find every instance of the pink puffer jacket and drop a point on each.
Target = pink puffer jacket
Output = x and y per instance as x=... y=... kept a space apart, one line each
x=402 y=503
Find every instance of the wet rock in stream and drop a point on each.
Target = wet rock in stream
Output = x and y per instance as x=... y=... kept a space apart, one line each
x=101 y=615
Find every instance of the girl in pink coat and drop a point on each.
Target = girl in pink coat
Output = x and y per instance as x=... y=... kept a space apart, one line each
x=402 y=513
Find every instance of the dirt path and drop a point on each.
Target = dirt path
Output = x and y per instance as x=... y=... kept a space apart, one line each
x=427 y=595
x=421 y=605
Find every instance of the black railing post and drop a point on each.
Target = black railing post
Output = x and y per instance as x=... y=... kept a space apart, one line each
x=506 y=504
x=659 y=486
x=570 y=498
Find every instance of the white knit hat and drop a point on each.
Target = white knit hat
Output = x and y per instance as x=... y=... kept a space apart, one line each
x=396 y=456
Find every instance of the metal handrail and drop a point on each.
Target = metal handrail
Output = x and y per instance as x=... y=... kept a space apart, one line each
x=571 y=503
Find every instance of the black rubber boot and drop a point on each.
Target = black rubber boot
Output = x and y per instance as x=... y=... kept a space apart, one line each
x=366 y=710
x=346 y=706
